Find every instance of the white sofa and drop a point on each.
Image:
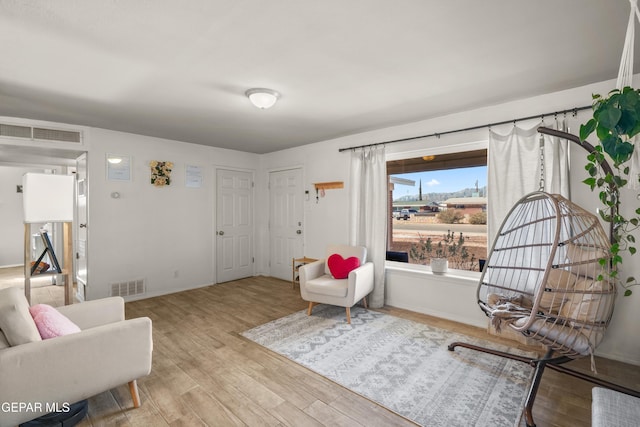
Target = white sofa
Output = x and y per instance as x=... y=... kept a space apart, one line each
x=108 y=352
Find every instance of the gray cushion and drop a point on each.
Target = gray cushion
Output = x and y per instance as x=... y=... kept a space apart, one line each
x=612 y=408
x=15 y=320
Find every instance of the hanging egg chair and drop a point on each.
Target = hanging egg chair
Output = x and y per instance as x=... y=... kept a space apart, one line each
x=547 y=276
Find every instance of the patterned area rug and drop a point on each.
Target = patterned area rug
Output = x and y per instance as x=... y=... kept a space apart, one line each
x=403 y=365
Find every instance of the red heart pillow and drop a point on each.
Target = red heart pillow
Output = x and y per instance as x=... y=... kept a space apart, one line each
x=340 y=267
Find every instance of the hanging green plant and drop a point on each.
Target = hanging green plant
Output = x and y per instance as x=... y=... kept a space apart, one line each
x=616 y=120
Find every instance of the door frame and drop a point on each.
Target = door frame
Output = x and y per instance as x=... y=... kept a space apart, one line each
x=305 y=197
x=52 y=159
x=81 y=294
x=215 y=217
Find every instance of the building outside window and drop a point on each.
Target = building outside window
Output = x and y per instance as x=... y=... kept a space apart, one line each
x=438 y=208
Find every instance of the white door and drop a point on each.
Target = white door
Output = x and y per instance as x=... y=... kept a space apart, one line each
x=81 y=231
x=285 y=221
x=234 y=225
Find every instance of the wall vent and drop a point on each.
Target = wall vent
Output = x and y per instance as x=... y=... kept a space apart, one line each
x=128 y=288
x=56 y=135
x=15 y=131
x=40 y=133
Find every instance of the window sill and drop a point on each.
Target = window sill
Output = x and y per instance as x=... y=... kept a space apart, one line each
x=470 y=278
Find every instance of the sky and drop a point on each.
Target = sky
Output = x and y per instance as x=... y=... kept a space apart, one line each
x=442 y=181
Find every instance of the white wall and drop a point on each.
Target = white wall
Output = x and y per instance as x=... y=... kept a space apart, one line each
x=324 y=220
x=161 y=234
x=11 y=215
x=152 y=233
x=452 y=298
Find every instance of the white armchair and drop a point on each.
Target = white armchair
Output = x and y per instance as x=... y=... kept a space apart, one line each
x=318 y=286
x=108 y=351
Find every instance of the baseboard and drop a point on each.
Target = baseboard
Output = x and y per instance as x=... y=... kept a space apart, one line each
x=474 y=322
x=11 y=265
x=618 y=358
x=173 y=291
x=163 y=292
x=442 y=315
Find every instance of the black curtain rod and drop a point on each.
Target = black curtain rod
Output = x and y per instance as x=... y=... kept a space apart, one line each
x=574 y=111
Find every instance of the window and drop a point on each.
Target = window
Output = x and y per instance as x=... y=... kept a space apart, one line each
x=438 y=209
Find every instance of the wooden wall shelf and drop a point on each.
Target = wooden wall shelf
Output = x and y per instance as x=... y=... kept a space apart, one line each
x=329 y=185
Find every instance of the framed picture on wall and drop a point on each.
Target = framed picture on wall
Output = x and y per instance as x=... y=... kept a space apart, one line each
x=118 y=168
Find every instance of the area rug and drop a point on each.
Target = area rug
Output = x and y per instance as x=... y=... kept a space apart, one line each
x=403 y=365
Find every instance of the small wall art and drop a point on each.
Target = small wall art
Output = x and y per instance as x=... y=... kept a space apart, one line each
x=160 y=173
x=118 y=168
x=193 y=178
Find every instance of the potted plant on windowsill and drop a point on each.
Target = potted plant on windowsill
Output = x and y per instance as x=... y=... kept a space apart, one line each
x=439 y=263
x=616 y=121
x=448 y=249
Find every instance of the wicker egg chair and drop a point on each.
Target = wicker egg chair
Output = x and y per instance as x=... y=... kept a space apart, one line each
x=547 y=277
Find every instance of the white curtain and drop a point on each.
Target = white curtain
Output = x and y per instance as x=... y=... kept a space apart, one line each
x=514 y=169
x=556 y=162
x=369 y=212
x=625 y=78
x=634 y=165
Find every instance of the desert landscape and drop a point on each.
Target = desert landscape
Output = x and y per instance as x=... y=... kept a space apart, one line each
x=409 y=232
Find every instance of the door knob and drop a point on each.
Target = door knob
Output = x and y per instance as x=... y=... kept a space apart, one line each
x=83 y=225
x=298 y=231
x=221 y=233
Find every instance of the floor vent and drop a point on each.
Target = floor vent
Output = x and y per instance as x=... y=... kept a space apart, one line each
x=125 y=289
x=40 y=133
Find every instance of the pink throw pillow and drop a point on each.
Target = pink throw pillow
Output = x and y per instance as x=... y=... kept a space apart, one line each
x=50 y=322
x=340 y=267
x=37 y=309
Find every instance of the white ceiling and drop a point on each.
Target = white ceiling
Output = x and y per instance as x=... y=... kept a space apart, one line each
x=179 y=69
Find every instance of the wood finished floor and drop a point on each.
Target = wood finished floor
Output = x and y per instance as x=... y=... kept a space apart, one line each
x=205 y=374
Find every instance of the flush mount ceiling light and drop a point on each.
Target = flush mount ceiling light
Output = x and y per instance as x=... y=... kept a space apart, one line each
x=262 y=98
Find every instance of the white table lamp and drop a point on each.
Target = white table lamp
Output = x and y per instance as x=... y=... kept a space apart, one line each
x=47 y=198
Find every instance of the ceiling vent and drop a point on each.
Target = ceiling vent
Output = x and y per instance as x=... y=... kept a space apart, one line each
x=15 y=131
x=40 y=133
x=56 y=135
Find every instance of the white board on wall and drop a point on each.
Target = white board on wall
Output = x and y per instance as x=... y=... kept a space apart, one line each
x=47 y=198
